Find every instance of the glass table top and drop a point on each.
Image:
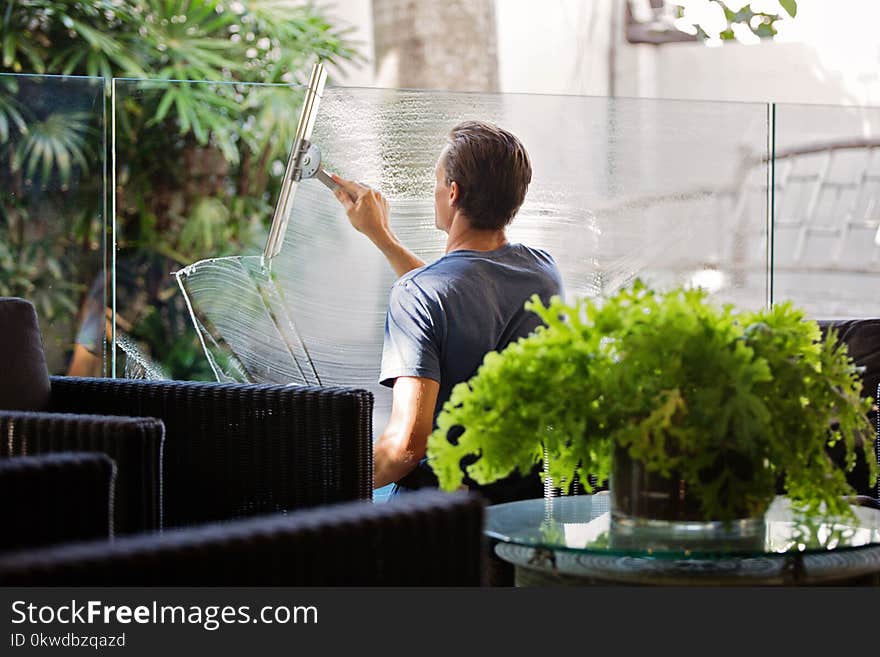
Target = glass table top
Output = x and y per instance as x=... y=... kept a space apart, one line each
x=583 y=524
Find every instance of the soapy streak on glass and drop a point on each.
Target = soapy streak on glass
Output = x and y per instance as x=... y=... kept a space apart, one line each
x=621 y=188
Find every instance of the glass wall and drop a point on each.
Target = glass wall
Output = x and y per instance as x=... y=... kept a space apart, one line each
x=826 y=246
x=672 y=192
x=52 y=213
x=196 y=172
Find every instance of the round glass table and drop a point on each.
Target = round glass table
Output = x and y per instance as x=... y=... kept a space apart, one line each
x=573 y=540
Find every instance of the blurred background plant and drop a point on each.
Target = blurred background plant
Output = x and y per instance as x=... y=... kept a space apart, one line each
x=747 y=21
x=51 y=203
x=197 y=163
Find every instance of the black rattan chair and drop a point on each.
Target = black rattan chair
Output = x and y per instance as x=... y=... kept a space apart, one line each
x=56 y=498
x=133 y=443
x=239 y=450
x=187 y=452
x=426 y=538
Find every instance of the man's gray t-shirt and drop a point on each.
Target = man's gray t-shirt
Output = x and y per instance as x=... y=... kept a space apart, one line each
x=444 y=318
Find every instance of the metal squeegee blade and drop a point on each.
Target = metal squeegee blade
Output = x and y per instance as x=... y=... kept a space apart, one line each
x=304 y=128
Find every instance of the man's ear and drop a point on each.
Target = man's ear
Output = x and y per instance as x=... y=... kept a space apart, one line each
x=453 y=193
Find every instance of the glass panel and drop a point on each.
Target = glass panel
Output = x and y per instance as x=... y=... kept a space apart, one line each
x=196 y=175
x=673 y=192
x=827 y=209
x=52 y=219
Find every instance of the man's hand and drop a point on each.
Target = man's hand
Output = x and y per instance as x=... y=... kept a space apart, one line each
x=369 y=213
x=366 y=208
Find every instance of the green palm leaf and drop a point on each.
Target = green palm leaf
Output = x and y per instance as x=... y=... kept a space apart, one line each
x=55 y=143
x=10 y=117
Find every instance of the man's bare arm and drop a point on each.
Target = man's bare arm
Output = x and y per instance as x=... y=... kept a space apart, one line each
x=401 y=259
x=404 y=441
x=368 y=212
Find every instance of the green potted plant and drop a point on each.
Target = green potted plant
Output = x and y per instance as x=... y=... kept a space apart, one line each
x=696 y=412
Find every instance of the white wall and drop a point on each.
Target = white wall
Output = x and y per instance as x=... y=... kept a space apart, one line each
x=780 y=72
x=554 y=47
x=830 y=53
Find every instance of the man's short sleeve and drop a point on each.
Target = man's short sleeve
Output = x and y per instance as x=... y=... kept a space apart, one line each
x=411 y=346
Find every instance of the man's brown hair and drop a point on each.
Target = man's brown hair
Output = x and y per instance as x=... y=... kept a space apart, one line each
x=492 y=170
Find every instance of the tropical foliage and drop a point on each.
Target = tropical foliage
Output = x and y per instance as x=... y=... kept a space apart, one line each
x=46 y=143
x=197 y=163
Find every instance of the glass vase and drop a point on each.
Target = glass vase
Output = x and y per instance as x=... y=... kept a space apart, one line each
x=654 y=512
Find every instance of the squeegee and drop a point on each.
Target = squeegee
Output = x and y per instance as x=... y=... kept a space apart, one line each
x=304 y=162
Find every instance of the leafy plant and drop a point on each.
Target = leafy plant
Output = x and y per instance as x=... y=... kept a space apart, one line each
x=196 y=162
x=729 y=401
x=57 y=142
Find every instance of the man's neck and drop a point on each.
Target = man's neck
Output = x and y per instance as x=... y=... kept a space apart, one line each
x=463 y=236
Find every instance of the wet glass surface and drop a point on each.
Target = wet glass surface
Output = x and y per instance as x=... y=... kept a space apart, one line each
x=668 y=191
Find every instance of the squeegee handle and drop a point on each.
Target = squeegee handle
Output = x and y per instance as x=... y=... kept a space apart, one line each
x=325 y=178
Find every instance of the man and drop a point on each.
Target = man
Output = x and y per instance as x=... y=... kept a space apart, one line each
x=444 y=317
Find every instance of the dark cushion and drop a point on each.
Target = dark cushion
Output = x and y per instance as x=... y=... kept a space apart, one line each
x=24 y=382
x=862 y=338
x=55 y=498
